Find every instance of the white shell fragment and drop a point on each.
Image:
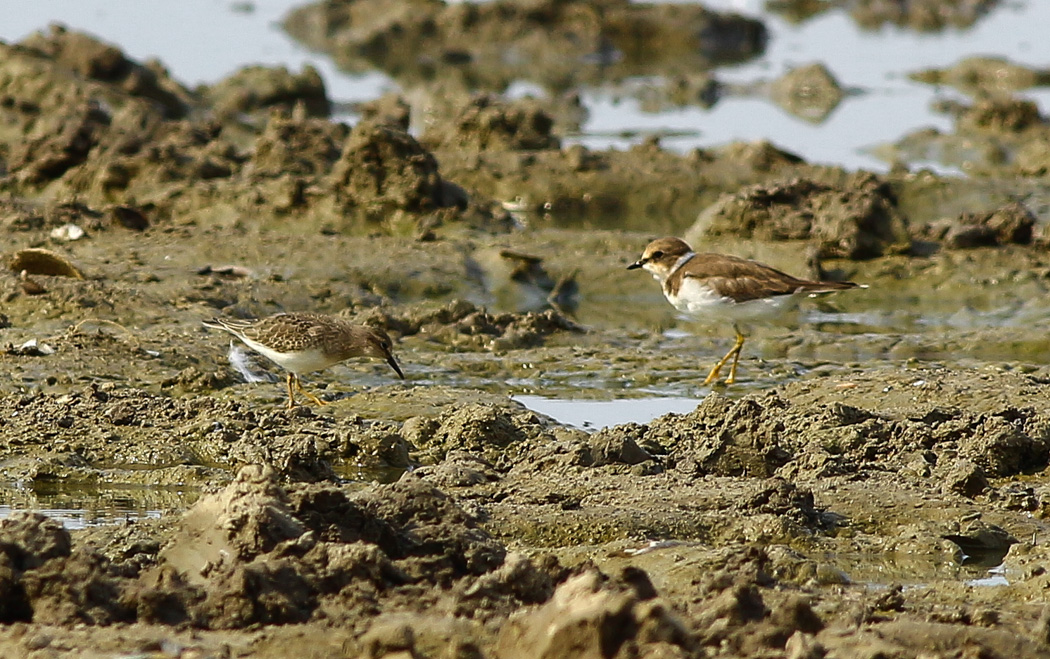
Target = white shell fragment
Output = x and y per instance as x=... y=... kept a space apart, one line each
x=67 y=233
x=31 y=348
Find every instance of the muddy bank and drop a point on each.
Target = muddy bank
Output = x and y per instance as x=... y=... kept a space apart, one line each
x=131 y=157
x=729 y=527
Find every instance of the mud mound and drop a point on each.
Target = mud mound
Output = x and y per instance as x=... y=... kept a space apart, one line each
x=296 y=146
x=105 y=433
x=266 y=554
x=387 y=169
x=384 y=177
x=257 y=553
x=768 y=435
x=982 y=75
x=922 y=15
x=43 y=579
x=999 y=115
x=996 y=133
x=29 y=540
x=735 y=607
x=586 y=617
x=482 y=429
x=858 y=219
x=105 y=138
x=1011 y=224
x=738 y=607
x=79 y=588
x=100 y=121
x=486 y=122
x=255 y=88
x=810 y=92
x=95 y=60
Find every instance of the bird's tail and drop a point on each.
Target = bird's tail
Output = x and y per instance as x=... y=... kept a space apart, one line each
x=814 y=288
x=226 y=324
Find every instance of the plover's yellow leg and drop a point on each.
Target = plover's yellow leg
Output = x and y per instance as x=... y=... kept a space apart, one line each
x=712 y=376
x=291 y=394
x=317 y=401
x=734 y=354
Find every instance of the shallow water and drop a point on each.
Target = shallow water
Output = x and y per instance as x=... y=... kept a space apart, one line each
x=879 y=571
x=87 y=516
x=597 y=414
x=873 y=63
x=995 y=577
x=79 y=508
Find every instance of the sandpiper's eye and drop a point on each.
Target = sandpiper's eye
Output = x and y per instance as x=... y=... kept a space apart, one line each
x=655 y=255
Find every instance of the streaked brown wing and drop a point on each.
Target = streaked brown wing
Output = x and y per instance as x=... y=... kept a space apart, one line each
x=289 y=332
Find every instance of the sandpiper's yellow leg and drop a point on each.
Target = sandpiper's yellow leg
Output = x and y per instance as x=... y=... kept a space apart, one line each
x=316 y=401
x=733 y=353
x=291 y=395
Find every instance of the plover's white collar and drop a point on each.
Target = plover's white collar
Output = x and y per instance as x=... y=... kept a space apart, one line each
x=685 y=258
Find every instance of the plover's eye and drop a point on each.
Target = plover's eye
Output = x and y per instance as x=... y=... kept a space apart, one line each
x=656 y=255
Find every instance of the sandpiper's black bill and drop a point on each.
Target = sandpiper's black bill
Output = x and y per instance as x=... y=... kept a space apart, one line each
x=393 y=364
x=636 y=264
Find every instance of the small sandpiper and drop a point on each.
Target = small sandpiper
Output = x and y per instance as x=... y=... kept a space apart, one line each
x=305 y=342
x=726 y=287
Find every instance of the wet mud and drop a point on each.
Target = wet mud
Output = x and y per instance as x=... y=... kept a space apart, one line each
x=886 y=449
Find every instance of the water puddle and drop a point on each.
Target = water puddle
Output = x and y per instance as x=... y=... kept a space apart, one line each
x=878 y=571
x=82 y=518
x=597 y=414
x=995 y=577
x=85 y=507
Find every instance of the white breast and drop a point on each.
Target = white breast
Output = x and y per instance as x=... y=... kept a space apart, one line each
x=702 y=302
x=695 y=298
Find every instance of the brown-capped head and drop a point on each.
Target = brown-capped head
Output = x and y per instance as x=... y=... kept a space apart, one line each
x=661 y=255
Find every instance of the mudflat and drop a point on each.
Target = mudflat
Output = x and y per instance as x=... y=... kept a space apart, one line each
x=874 y=487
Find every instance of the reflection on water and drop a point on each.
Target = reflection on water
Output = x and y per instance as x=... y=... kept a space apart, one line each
x=86 y=506
x=995 y=577
x=597 y=414
x=81 y=518
x=912 y=570
x=353 y=473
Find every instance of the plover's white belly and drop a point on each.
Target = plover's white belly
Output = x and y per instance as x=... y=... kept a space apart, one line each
x=697 y=300
x=304 y=361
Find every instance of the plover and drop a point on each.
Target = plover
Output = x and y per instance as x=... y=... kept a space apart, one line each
x=305 y=342
x=725 y=287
